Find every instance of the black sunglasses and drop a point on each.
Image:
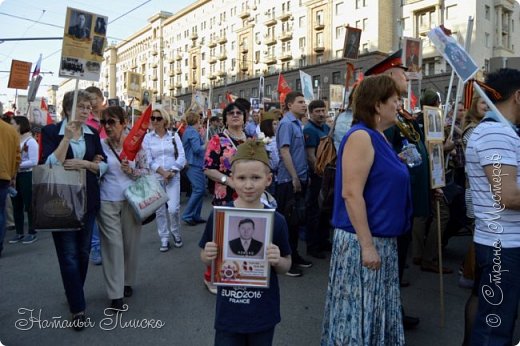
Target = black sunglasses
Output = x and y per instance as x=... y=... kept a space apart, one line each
x=109 y=121
x=152 y=118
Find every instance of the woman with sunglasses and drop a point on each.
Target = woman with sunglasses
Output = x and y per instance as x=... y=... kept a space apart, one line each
x=217 y=162
x=165 y=157
x=120 y=229
x=76 y=146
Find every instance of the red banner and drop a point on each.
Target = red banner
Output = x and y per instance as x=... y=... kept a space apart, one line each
x=283 y=88
x=132 y=143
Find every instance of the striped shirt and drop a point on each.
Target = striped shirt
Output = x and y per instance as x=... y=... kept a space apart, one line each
x=496 y=144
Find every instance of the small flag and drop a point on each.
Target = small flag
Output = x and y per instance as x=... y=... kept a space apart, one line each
x=45 y=108
x=132 y=143
x=283 y=88
x=37 y=67
x=230 y=97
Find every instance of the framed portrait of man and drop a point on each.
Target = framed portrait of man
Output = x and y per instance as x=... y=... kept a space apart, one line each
x=412 y=57
x=433 y=124
x=437 y=175
x=80 y=24
x=242 y=236
x=351 y=45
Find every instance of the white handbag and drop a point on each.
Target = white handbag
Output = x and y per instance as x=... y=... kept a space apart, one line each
x=145 y=196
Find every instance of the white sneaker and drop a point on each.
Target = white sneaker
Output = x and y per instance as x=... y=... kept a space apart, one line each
x=165 y=246
x=211 y=288
x=177 y=241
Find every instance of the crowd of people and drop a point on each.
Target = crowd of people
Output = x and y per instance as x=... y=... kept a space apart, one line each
x=382 y=204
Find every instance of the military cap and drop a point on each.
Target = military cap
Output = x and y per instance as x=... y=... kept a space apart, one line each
x=391 y=61
x=251 y=150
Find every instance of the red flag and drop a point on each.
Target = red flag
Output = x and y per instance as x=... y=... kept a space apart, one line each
x=283 y=88
x=45 y=108
x=132 y=143
x=413 y=101
x=230 y=97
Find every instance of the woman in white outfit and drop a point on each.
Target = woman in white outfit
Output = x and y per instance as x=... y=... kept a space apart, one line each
x=165 y=156
x=120 y=229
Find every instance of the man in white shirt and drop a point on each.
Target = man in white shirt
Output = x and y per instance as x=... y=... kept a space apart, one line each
x=492 y=160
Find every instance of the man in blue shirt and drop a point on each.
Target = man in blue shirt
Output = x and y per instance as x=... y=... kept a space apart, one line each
x=317 y=224
x=292 y=173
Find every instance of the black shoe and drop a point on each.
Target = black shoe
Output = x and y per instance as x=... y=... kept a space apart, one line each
x=316 y=254
x=294 y=272
x=79 y=321
x=200 y=221
x=410 y=322
x=128 y=291
x=117 y=304
x=300 y=262
x=190 y=222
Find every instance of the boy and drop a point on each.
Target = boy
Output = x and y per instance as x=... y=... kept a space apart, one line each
x=252 y=322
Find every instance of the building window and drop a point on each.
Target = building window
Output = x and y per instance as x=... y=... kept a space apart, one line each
x=426 y=20
x=365 y=24
x=254 y=92
x=319 y=39
x=319 y=18
x=486 y=65
x=302 y=62
x=203 y=56
x=203 y=71
x=358 y=24
x=451 y=12
x=298 y=84
x=336 y=76
x=301 y=43
x=257 y=57
x=316 y=81
x=319 y=59
x=487 y=39
x=268 y=89
x=488 y=12
x=339 y=54
x=339 y=31
x=301 y=21
x=339 y=9
x=186 y=63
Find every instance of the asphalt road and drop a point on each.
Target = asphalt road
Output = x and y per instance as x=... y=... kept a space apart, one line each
x=171 y=305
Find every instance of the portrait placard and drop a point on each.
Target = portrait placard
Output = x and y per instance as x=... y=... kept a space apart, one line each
x=351 y=44
x=437 y=173
x=242 y=236
x=412 y=57
x=433 y=124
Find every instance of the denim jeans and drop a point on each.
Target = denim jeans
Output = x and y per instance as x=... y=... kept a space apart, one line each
x=73 y=250
x=498 y=295
x=95 y=243
x=264 y=338
x=4 y=185
x=198 y=186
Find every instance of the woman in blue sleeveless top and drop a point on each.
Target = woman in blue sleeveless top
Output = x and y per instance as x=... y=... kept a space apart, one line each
x=372 y=206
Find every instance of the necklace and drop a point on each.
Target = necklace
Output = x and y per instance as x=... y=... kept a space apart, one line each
x=238 y=138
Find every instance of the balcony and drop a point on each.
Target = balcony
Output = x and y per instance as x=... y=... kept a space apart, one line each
x=244 y=68
x=245 y=13
x=171 y=87
x=194 y=36
x=244 y=50
x=270 y=41
x=319 y=26
x=194 y=66
x=221 y=73
x=270 y=21
x=194 y=82
x=212 y=44
x=154 y=65
x=155 y=91
x=270 y=60
x=154 y=52
x=212 y=76
x=222 y=56
x=212 y=60
x=154 y=78
x=286 y=56
x=178 y=71
x=285 y=16
x=171 y=73
x=171 y=60
x=319 y=48
x=222 y=39
x=286 y=36
x=178 y=85
x=178 y=57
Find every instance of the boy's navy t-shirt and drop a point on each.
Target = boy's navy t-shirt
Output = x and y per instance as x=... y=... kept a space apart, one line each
x=250 y=309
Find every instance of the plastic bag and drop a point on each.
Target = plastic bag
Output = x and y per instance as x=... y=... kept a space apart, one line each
x=145 y=196
x=59 y=198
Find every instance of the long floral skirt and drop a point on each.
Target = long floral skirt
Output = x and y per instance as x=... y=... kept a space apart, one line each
x=363 y=306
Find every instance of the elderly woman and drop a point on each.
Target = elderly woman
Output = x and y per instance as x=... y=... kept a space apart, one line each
x=22 y=201
x=217 y=162
x=120 y=229
x=76 y=146
x=194 y=149
x=165 y=157
x=372 y=206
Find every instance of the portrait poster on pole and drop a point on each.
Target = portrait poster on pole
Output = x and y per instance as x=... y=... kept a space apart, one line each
x=351 y=44
x=84 y=40
x=412 y=57
x=438 y=174
x=242 y=236
x=433 y=123
x=133 y=84
x=19 y=74
x=463 y=64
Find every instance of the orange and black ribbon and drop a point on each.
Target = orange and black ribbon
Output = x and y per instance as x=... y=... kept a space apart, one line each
x=468 y=92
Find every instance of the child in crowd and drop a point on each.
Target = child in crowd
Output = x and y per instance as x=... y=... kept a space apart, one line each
x=251 y=322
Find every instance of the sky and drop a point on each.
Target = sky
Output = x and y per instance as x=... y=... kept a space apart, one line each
x=53 y=12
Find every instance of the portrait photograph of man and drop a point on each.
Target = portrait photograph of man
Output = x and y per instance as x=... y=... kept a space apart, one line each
x=245 y=245
x=79 y=25
x=101 y=26
x=352 y=40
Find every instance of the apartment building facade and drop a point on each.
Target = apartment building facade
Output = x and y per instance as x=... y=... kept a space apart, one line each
x=226 y=45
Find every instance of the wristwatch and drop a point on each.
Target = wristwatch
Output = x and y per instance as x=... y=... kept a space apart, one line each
x=223 y=180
